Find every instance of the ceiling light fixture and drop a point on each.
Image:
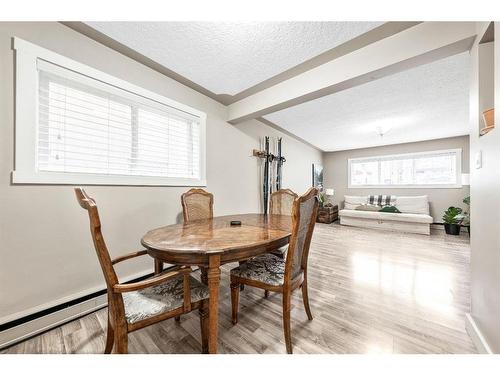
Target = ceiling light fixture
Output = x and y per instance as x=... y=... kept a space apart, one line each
x=382 y=130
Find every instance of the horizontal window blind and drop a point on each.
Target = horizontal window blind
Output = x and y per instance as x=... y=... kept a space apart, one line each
x=87 y=126
x=421 y=169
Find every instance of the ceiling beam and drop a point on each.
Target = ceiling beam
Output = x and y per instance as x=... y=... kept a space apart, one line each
x=420 y=44
x=371 y=36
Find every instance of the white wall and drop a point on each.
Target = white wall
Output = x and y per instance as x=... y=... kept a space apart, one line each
x=485 y=205
x=336 y=173
x=46 y=254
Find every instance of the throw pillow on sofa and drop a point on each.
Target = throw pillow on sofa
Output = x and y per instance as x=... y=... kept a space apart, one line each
x=382 y=200
x=391 y=209
x=353 y=201
x=413 y=204
x=368 y=207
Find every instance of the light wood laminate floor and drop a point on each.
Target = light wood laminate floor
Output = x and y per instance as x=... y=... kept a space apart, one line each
x=370 y=292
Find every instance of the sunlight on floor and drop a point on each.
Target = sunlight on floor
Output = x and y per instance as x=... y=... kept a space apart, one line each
x=429 y=286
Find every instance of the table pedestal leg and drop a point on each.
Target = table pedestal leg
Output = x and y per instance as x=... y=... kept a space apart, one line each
x=213 y=276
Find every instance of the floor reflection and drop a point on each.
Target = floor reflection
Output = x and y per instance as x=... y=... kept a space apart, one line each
x=427 y=285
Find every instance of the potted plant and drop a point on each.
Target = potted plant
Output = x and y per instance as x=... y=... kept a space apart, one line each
x=464 y=217
x=451 y=223
x=322 y=199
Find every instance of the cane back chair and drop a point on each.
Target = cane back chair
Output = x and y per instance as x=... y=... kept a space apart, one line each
x=281 y=203
x=275 y=274
x=135 y=305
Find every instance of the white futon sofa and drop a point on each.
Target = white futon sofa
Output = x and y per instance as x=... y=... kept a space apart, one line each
x=414 y=216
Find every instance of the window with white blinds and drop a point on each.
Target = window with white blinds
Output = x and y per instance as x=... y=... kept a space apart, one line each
x=96 y=129
x=425 y=169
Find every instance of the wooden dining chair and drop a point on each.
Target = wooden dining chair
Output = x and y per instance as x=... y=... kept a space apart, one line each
x=135 y=305
x=270 y=272
x=281 y=203
x=197 y=204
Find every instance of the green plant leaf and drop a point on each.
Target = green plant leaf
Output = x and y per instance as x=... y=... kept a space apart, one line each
x=450 y=215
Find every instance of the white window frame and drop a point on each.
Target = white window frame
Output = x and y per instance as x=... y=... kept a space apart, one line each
x=26 y=111
x=457 y=185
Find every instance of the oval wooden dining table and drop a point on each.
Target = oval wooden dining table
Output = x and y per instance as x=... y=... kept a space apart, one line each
x=213 y=242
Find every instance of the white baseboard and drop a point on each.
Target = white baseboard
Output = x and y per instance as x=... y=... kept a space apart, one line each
x=436 y=226
x=477 y=337
x=36 y=326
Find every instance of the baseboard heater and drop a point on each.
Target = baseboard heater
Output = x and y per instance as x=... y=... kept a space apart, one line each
x=34 y=324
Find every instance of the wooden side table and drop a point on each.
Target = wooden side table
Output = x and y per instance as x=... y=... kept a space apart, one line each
x=328 y=215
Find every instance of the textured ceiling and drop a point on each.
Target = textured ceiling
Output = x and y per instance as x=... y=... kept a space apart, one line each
x=227 y=58
x=427 y=102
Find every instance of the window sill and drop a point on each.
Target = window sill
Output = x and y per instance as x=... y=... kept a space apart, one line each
x=54 y=178
x=455 y=186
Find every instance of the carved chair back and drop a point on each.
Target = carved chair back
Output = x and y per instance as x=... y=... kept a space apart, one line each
x=95 y=229
x=281 y=202
x=304 y=212
x=197 y=204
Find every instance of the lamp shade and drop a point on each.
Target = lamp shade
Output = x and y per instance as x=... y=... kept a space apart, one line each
x=329 y=191
x=489 y=118
x=489 y=121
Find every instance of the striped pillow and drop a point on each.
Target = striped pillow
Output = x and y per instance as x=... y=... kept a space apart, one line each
x=382 y=200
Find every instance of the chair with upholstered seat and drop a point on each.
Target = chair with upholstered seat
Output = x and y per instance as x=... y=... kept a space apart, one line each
x=272 y=273
x=198 y=204
x=281 y=203
x=135 y=305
